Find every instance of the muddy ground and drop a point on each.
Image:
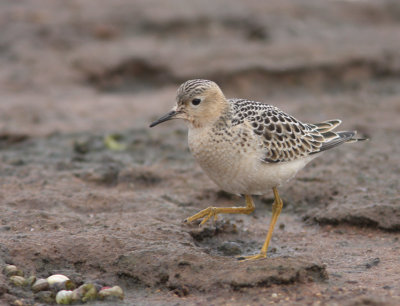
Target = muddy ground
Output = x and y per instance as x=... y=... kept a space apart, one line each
x=74 y=72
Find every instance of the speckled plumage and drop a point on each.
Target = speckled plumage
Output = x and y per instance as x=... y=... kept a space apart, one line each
x=283 y=137
x=253 y=146
x=248 y=147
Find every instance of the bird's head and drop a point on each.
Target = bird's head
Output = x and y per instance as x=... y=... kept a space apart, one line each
x=198 y=102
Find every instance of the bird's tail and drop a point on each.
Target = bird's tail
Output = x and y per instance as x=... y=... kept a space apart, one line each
x=333 y=139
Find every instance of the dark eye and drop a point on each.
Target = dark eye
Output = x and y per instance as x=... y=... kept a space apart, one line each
x=196 y=101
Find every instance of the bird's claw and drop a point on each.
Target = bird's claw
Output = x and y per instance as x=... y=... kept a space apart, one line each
x=205 y=213
x=252 y=257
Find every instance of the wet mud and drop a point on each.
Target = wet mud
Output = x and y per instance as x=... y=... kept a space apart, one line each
x=89 y=191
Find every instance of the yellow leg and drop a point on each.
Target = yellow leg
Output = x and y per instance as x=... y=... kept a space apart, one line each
x=214 y=211
x=276 y=210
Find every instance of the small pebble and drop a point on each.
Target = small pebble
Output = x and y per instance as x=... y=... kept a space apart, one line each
x=114 y=292
x=19 y=303
x=17 y=280
x=64 y=297
x=86 y=292
x=31 y=280
x=40 y=285
x=10 y=270
x=56 y=278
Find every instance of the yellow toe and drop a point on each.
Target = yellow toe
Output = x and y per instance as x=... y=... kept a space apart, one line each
x=252 y=257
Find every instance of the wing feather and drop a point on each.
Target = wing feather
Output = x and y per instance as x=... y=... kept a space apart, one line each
x=282 y=137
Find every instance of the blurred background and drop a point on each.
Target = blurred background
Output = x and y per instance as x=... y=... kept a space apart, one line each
x=84 y=65
x=88 y=190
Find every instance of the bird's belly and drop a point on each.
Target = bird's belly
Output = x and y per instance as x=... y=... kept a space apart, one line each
x=260 y=178
x=239 y=172
x=255 y=177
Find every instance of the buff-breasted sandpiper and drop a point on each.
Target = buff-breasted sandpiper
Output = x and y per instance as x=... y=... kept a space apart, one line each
x=248 y=147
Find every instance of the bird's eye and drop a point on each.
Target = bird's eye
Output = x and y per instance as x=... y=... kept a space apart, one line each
x=196 y=101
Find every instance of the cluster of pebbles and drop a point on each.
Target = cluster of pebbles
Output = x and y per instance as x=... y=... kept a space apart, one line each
x=60 y=289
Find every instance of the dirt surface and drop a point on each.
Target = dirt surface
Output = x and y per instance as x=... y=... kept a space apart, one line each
x=75 y=72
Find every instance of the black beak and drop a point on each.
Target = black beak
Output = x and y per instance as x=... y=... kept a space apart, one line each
x=166 y=117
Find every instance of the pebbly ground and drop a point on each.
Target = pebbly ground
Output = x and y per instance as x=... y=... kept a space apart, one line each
x=75 y=73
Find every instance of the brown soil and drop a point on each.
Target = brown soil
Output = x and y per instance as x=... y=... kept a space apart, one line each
x=74 y=72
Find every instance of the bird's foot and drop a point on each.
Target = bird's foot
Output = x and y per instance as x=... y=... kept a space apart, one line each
x=206 y=214
x=252 y=257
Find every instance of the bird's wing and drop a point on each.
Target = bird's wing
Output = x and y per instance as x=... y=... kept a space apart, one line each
x=282 y=137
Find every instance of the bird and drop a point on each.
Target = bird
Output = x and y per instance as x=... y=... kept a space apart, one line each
x=247 y=147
